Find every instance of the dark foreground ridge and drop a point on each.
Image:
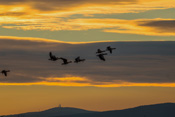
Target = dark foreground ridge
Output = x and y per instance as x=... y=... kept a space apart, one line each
x=57 y=111
x=157 y=110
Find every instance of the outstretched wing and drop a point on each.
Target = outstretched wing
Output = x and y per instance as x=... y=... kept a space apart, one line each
x=102 y=57
x=98 y=51
x=110 y=50
x=77 y=59
x=64 y=60
x=50 y=54
x=5 y=73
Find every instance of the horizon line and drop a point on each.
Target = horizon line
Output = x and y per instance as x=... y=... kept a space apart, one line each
x=37 y=39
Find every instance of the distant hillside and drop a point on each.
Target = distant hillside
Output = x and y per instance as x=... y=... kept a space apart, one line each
x=158 y=110
x=58 y=111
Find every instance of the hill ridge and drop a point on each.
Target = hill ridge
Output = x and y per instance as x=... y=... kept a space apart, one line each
x=153 y=110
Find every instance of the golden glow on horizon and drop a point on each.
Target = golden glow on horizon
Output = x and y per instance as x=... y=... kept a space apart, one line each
x=34 y=39
x=38 y=98
x=47 y=40
x=84 y=82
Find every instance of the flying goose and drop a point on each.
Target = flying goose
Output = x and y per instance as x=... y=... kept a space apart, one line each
x=101 y=56
x=77 y=60
x=100 y=51
x=110 y=49
x=5 y=72
x=52 y=57
x=65 y=61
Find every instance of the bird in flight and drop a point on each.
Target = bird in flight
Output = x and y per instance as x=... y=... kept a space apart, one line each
x=52 y=57
x=100 y=51
x=77 y=60
x=65 y=61
x=101 y=56
x=5 y=72
x=110 y=49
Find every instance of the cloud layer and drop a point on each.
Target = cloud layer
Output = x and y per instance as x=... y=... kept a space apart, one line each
x=132 y=64
x=56 y=15
x=153 y=27
x=95 y=6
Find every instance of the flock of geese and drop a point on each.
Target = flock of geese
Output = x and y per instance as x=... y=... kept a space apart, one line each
x=100 y=53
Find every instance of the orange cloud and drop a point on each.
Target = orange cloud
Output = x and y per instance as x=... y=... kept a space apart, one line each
x=88 y=6
x=46 y=15
x=154 y=27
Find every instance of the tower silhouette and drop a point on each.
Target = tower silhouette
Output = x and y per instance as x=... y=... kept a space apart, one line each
x=59 y=106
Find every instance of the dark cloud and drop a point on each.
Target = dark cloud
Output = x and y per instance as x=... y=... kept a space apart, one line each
x=161 y=25
x=11 y=2
x=63 y=4
x=136 y=62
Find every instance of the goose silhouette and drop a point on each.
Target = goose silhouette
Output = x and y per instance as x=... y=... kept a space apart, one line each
x=65 y=61
x=5 y=72
x=52 y=57
x=110 y=49
x=77 y=60
x=100 y=51
x=101 y=56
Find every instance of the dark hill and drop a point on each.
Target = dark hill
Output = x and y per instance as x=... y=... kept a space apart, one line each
x=157 y=110
x=58 y=111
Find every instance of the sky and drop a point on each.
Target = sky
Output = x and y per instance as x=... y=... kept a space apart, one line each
x=140 y=71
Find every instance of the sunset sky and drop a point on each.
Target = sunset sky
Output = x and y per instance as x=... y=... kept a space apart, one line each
x=140 y=71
